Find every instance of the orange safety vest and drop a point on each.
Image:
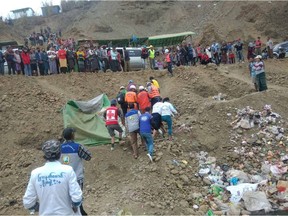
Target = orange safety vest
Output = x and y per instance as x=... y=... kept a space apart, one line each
x=143 y=100
x=130 y=97
x=154 y=92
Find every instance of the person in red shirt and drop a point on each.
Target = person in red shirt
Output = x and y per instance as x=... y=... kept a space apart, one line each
x=258 y=44
x=205 y=59
x=25 y=56
x=143 y=99
x=111 y=120
x=62 y=59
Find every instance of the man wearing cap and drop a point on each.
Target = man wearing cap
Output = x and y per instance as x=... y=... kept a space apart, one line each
x=53 y=185
x=121 y=99
x=143 y=99
x=151 y=54
x=259 y=69
x=111 y=120
x=72 y=154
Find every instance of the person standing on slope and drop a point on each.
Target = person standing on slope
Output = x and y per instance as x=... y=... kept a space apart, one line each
x=53 y=185
x=73 y=154
x=145 y=124
x=143 y=99
x=167 y=111
x=168 y=60
x=111 y=120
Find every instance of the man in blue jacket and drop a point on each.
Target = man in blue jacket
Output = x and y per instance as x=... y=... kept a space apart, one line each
x=72 y=154
x=145 y=131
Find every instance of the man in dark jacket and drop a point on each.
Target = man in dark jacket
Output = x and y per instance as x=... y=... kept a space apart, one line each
x=2 y=61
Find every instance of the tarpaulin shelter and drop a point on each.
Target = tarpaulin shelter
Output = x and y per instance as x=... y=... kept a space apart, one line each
x=169 y=39
x=113 y=42
x=87 y=118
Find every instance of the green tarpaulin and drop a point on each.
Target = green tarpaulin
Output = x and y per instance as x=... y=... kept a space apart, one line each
x=169 y=39
x=87 y=118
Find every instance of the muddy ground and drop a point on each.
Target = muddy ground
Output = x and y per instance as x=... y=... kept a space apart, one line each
x=30 y=113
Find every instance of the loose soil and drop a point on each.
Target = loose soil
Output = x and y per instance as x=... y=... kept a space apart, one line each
x=30 y=110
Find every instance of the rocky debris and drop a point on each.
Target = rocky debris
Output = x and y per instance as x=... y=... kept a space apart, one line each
x=259 y=177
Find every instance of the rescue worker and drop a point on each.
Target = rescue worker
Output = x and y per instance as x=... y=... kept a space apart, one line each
x=121 y=99
x=111 y=120
x=143 y=99
x=72 y=154
x=132 y=125
x=157 y=120
x=131 y=82
x=53 y=185
x=168 y=60
x=131 y=96
x=145 y=123
x=153 y=92
x=154 y=82
x=167 y=111
x=151 y=55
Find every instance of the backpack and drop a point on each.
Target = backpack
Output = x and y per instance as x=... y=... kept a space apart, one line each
x=121 y=98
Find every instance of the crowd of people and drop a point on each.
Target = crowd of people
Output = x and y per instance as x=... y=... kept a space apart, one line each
x=57 y=187
x=142 y=111
x=62 y=56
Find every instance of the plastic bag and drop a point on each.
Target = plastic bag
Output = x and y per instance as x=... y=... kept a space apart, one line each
x=255 y=201
x=238 y=190
x=242 y=176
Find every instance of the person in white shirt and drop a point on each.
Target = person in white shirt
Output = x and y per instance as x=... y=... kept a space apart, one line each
x=156 y=118
x=168 y=110
x=53 y=185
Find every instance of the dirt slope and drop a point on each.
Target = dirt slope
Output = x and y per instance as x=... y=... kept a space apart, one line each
x=31 y=113
x=221 y=20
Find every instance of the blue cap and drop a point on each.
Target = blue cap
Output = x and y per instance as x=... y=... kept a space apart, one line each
x=113 y=102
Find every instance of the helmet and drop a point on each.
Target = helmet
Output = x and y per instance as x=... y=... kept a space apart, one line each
x=67 y=133
x=51 y=149
x=141 y=88
x=122 y=87
x=132 y=87
x=166 y=51
x=258 y=57
x=113 y=102
x=130 y=81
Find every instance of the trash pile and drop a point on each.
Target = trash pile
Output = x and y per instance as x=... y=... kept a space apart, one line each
x=260 y=181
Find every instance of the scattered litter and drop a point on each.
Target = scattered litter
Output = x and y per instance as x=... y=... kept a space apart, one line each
x=256 y=201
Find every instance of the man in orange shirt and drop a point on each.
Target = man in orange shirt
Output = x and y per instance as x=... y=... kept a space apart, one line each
x=143 y=99
x=154 y=94
x=131 y=97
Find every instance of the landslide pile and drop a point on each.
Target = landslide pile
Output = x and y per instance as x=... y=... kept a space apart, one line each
x=31 y=113
x=220 y=20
